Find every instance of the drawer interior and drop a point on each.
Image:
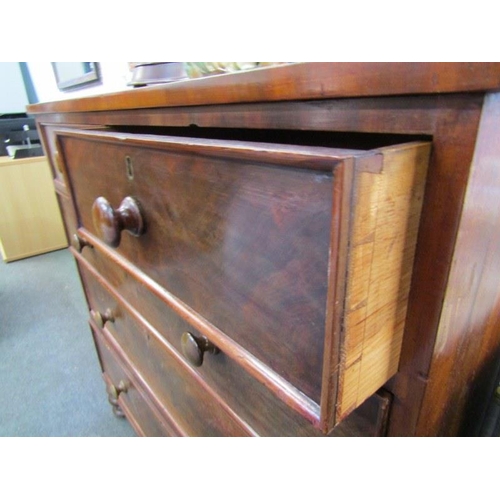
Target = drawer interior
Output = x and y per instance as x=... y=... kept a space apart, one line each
x=315 y=138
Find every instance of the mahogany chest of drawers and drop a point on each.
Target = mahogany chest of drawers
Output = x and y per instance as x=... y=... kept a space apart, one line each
x=267 y=253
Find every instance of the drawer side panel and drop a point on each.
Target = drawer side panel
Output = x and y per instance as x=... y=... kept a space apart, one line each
x=386 y=219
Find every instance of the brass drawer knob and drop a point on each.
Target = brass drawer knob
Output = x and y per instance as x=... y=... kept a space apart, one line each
x=101 y=319
x=79 y=243
x=194 y=348
x=109 y=223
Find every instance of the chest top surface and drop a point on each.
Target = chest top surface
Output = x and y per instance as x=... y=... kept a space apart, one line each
x=295 y=81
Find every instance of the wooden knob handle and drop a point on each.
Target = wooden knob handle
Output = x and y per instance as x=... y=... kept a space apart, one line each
x=109 y=223
x=101 y=319
x=194 y=348
x=113 y=393
x=79 y=243
x=123 y=386
x=115 y=390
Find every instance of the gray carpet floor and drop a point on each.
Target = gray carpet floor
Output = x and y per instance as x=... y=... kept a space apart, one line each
x=50 y=379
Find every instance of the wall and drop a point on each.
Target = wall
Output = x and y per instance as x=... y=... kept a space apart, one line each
x=13 y=98
x=114 y=78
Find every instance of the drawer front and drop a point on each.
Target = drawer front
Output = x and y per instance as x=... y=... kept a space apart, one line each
x=242 y=242
x=48 y=135
x=141 y=417
x=255 y=404
x=140 y=414
x=183 y=397
x=128 y=402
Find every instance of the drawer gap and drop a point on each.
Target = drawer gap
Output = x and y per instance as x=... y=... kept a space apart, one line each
x=343 y=140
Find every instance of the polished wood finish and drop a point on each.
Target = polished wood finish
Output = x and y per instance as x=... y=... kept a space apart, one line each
x=255 y=251
x=189 y=401
x=138 y=410
x=258 y=407
x=150 y=298
x=241 y=389
x=30 y=220
x=468 y=338
x=246 y=246
x=143 y=418
x=297 y=81
x=432 y=385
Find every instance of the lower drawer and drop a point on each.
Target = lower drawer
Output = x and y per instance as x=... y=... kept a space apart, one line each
x=252 y=401
x=182 y=396
x=124 y=396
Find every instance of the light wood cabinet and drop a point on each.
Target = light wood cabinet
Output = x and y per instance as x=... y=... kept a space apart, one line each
x=30 y=220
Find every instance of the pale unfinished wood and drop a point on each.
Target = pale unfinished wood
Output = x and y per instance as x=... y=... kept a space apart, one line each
x=30 y=220
x=384 y=226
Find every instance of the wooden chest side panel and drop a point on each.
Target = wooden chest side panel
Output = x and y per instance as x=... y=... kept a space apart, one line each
x=468 y=340
x=386 y=215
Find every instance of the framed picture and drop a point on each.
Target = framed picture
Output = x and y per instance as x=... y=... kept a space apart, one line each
x=75 y=74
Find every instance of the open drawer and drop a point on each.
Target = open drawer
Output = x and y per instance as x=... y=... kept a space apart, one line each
x=295 y=261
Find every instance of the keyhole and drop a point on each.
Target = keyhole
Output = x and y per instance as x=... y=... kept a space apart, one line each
x=129 y=168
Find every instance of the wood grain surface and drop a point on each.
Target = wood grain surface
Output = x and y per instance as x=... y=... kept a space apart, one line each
x=245 y=245
x=186 y=399
x=141 y=412
x=297 y=81
x=258 y=406
x=385 y=225
x=400 y=163
x=431 y=379
x=469 y=329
